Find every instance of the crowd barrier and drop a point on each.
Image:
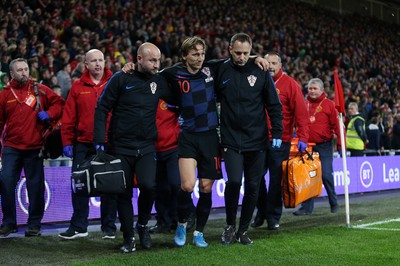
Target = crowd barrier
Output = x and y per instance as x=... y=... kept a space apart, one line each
x=365 y=174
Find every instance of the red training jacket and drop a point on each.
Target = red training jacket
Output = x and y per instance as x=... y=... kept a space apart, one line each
x=78 y=115
x=23 y=129
x=326 y=122
x=294 y=110
x=168 y=128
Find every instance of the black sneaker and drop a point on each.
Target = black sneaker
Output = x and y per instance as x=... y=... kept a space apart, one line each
x=273 y=226
x=301 y=212
x=243 y=238
x=191 y=221
x=6 y=230
x=108 y=235
x=31 y=232
x=159 y=228
x=258 y=221
x=228 y=236
x=72 y=234
x=334 y=208
x=128 y=246
x=144 y=236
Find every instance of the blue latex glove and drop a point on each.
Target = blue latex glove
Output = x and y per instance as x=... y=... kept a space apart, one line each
x=99 y=147
x=276 y=143
x=301 y=146
x=43 y=116
x=68 y=151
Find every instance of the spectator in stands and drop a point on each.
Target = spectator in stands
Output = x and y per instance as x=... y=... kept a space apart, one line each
x=24 y=123
x=57 y=89
x=64 y=79
x=3 y=80
x=356 y=137
x=396 y=134
x=34 y=68
x=45 y=77
x=386 y=123
x=49 y=62
x=374 y=146
x=78 y=71
x=295 y=114
x=77 y=138
x=53 y=80
x=324 y=124
x=5 y=61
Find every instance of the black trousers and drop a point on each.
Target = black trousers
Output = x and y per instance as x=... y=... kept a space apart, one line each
x=250 y=163
x=269 y=203
x=13 y=161
x=144 y=168
x=168 y=184
x=326 y=157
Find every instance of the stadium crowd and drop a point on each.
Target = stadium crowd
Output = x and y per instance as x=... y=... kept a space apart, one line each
x=54 y=35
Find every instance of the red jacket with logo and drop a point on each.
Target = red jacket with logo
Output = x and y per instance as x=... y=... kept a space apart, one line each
x=293 y=108
x=22 y=128
x=78 y=115
x=326 y=122
x=168 y=128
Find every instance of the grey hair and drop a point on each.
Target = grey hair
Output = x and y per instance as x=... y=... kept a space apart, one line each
x=12 y=63
x=316 y=81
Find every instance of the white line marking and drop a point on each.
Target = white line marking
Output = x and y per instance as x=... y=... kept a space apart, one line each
x=377 y=223
x=379 y=229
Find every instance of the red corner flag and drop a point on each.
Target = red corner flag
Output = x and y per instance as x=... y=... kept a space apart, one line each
x=339 y=98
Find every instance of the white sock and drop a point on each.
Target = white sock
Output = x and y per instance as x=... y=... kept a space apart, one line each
x=184 y=224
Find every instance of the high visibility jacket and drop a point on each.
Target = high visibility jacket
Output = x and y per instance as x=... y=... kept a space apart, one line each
x=353 y=140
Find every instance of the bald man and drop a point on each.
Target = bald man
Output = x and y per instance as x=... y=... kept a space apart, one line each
x=133 y=99
x=77 y=137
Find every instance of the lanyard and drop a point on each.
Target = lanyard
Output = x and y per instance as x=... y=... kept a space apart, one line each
x=312 y=118
x=279 y=78
x=16 y=97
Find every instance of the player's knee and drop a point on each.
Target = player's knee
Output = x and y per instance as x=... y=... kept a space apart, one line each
x=187 y=186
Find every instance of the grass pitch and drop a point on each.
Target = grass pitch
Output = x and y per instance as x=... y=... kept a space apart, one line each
x=319 y=239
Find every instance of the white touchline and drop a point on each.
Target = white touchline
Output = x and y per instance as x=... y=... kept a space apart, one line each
x=376 y=223
x=379 y=229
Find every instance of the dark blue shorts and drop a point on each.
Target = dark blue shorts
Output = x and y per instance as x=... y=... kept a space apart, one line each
x=204 y=148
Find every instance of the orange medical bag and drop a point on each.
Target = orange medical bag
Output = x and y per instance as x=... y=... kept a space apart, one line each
x=301 y=178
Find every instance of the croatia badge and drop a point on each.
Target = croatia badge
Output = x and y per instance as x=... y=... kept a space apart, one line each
x=252 y=80
x=153 y=87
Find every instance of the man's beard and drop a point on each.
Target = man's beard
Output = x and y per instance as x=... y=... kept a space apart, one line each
x=22 y=80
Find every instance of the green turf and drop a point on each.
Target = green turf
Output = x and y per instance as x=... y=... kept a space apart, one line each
x=319 y=239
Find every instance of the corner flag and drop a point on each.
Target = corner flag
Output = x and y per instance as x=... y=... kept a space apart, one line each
x=339 y=105
x=339 y=98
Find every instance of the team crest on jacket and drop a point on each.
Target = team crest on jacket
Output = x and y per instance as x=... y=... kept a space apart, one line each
x=252 y=80
x=153 y=87
x=206 y=71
